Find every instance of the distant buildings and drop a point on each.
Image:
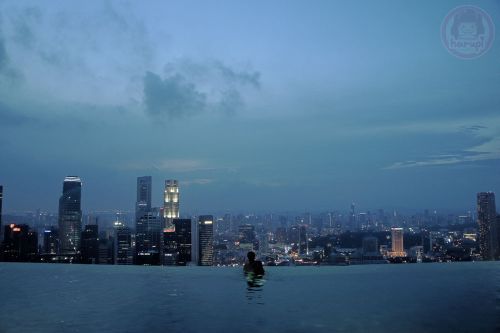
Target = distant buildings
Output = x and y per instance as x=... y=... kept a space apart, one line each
x=123 y=244
x=488 y=226
x=169 y=253
x=50 y=242
x=148 y=225
x=397 y=249
x=148 y=238
x=171 y=202
x=90 y=244
x=20 y=244
x=205 y=240
x=143 y=203
x=370 y=245
x=247 y=240
x=183 y=238
x=1 y=199
x=70 y=217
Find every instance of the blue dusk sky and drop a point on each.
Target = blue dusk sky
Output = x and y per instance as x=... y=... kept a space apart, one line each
x=251 y=105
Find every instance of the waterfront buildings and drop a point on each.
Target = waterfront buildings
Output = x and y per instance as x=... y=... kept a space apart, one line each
x=123 y=254
x=20 y=243
x=70 y=217
x=1 y=200
x=183 y=238
x=487 y=222
x=397 y=249
x=205 y=240
x=90 y=244
x=50 y=242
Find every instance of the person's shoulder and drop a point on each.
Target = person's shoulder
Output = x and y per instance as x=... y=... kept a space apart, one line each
x=247 y=267
x=258 y=267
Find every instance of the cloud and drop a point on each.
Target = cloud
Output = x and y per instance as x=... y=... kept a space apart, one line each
x=198 y=181
x=238 y=77
x=172 y=97
x=489 y=149
x=190 y=88
x=10 y=118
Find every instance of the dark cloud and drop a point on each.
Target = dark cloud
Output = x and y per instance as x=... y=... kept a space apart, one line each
x=230 y=102
x=24 y=25
x=192 y=87
x=172 y=97
x=238 y=77
x=3 y=55
x=7 y=72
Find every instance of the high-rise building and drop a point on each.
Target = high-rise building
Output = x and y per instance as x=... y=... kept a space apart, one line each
x=183 y=235
x=148 y=225
x=50 y=241
x=206 y=240
x=123 y=244
x=70 y=217
x=90 y=244
x=20 y=244
x=352 y=218
x=169 y=247
x=397 y=242
x=487 y=221
x=148 y=238
x=1 y=199
x=171 y=202
x=143 y=203
x=106 y=249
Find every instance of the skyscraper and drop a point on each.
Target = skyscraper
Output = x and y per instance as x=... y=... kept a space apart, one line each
x=147 y=225
x=397 y=242
x=70 y=216
x=148 y=238
x=486 y=219
x=206 y=240
x=171 y=202
x=183 y=235
x=50 y=242
x=1 y=199
x=169 y=247
x=90 y=244
x=20 y=244
x=123 y=244
x=143 y=203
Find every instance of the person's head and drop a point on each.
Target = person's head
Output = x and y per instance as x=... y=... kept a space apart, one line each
x=251 y=256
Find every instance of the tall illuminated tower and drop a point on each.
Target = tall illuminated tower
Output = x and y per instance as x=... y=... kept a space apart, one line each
x=397 y=242
x=486 y=219
x=70 y=216
x=171 y=202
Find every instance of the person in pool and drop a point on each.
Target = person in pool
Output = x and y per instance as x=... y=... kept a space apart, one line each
x=253 y=268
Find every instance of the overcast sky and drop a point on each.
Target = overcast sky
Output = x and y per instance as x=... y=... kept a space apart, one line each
x=251 y=105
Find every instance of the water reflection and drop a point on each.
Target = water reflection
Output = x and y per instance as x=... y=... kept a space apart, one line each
x=255 y=284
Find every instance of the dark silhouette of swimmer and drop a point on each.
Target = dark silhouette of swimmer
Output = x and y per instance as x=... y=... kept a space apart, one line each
x=253 y=269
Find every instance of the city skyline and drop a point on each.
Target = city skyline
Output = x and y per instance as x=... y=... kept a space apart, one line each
x=340 y=107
